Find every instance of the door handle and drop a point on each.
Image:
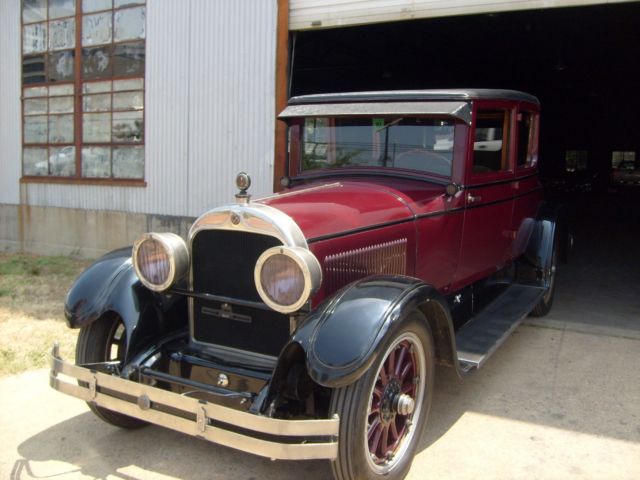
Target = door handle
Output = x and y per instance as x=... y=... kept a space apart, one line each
x=473 y=198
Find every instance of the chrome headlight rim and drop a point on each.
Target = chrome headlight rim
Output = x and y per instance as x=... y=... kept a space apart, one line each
x=309 y=267
x=177 y=254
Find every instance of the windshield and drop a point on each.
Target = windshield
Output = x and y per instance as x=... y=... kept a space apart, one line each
x=423 y=144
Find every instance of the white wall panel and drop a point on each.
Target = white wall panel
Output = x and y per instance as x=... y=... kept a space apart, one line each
x=10 y=109
x=232 y=91
x=210 y=96
x=305 y=14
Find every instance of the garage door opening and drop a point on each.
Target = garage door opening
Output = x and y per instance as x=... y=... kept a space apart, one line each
x=581 y=62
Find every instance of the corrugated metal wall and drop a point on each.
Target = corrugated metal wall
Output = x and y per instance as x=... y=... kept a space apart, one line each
x=305 y=14
x=210 y=109
x=10 y=110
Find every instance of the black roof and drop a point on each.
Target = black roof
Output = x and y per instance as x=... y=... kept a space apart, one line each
x=400 y=95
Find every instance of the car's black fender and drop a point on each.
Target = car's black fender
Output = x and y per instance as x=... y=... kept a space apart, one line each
x=551 y=226
x=110 y=286
x=342 y=337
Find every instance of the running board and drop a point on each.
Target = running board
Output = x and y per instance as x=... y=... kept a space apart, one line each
x=477 y=340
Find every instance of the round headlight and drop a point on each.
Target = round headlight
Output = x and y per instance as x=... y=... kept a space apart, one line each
x=286 y=277
x=160 y=259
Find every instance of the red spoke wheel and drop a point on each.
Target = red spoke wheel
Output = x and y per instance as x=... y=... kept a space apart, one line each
x=383 y=414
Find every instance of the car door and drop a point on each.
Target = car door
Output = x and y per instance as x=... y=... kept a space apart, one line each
x=527 y=189
x=487 y=232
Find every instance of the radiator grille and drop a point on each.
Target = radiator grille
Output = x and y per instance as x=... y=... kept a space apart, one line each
x=223 y=262
x=342 y=268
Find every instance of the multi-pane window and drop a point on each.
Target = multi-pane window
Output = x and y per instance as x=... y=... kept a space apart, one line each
x=83 y=88
x=622 y=158
x=576 y=160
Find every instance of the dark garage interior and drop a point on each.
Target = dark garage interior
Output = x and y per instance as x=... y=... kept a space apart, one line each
x=583 y=63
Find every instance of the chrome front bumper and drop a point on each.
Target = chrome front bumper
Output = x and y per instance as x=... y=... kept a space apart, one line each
x=305 y=439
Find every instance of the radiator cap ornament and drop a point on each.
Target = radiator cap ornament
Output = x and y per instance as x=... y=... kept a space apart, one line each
x=243 y=182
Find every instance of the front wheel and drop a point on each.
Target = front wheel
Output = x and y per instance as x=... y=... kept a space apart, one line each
x=104 y=341
x=384 y=413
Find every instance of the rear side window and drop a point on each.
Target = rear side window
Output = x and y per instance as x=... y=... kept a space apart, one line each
x=526 y=139
x=491 y=142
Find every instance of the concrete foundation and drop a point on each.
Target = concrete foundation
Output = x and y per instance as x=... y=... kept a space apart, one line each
x=76 y=232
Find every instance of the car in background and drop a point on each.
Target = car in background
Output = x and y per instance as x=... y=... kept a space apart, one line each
x=627 y=173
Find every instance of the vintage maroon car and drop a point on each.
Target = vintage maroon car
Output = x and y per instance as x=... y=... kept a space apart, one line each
x=411 y=231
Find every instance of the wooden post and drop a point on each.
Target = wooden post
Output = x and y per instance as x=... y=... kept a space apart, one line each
x=282 y=92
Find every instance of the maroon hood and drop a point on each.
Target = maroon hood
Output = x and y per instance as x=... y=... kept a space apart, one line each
x=329 y=208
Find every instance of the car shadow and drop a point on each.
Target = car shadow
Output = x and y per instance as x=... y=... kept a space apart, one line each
x=546 y=377
x=85 y=445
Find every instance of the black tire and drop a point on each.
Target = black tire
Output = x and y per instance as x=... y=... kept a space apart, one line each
x=546 y=302
x=365 y=451
x=103 y=341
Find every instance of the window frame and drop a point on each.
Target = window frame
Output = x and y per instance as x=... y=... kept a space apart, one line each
x=533 y=141
x=78 y=81
x=508 y=152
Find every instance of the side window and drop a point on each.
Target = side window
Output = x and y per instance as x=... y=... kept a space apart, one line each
x=526 y=137
x=491 y=142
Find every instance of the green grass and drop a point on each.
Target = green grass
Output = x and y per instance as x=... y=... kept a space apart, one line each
x=32 y=292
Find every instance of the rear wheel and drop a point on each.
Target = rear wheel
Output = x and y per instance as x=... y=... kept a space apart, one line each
x=384 y=413
x=104 y=341
x=544 y=306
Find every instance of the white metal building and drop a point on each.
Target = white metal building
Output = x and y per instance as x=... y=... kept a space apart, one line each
x=123 y=116
x=209 y=112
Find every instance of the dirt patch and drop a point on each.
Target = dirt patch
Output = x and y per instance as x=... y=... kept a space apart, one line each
x=32 y=292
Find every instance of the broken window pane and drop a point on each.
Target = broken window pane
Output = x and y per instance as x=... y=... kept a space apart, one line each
x=96 y=127
x=35 y=106
x=128 y=101
x=62 y=34
x=95 y=5
x=34 y=161
x=96 y=29
x=96 y=162
x=128 y=59
x=61 y=90
x=127 y=127
x=62 y=161
x=35 y=129
x=61 y=66
x=96 y=62
x=61 y=105
x=97 y=103
x=61 y=129
x=128 y=162
x=35 y=92
x=34 y=38
x=61 y=8
x=133 y=84
x=33 y=69
x=96 y=87
x=129 y=24
x=34 y=10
